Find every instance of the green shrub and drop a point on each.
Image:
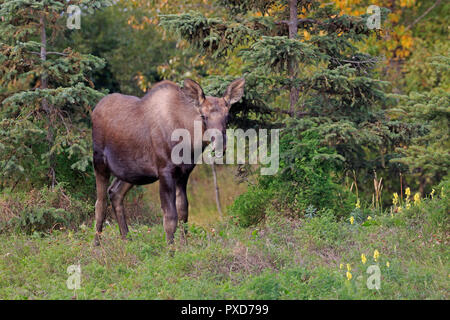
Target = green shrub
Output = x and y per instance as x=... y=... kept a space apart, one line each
x=42 y=210
x=250 y=207
x=432 y=214
x=323 y=229
x=304 y=180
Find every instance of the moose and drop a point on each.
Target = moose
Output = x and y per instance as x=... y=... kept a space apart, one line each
x=132 y=141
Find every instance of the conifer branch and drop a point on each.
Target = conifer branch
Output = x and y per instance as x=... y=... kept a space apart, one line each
x=51 y=52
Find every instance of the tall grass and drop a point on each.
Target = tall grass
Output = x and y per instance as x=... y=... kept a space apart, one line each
x=202 y=205
x=280 y=258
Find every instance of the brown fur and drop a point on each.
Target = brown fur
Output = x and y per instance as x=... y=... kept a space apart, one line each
x=132 y=141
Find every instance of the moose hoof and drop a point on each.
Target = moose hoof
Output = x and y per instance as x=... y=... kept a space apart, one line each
x=183 y=239
x=127 y=238
x=97 y=239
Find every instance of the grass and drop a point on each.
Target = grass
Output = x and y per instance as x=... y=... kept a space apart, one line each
x=281 y=258
x=202 y=204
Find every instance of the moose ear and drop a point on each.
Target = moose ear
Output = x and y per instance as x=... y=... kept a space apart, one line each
x=235 y=91
x=193 y=91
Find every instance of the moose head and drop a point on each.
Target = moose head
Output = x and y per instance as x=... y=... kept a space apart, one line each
x=214 y=111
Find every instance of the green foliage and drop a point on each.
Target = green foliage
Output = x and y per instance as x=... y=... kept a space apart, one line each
x=287 y=259
x=214 y=35
x=243 y=6
x=427 y=68
x=306 y=174
x=323 y=229
x=47 y=95
x=42 y=211
x=250 y=207
x=132 y=53
x=433 y=213
x=304 y=180
x=274 y=53
x=428 y=156
x=340 y=96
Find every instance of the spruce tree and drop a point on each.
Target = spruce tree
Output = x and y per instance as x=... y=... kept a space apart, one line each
x=428 y=156
x=301 y=60
x=46 y=92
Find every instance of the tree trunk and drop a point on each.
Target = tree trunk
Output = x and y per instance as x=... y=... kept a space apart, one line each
x=422 y=183
x=292 y=68
x=216 y=189
x=45 y=105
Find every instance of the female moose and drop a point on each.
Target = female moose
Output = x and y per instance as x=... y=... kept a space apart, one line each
x=132 y=141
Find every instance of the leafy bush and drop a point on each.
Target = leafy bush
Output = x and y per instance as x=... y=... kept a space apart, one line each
x=305 y=180
x=432 y=214
x=45 y=210
x=250 y=207
x=42 y=210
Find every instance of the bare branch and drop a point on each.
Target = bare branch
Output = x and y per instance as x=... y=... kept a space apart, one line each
x=303 y=20
x=216 y=189
x=282 y=22
x=423 y=15
x=50 y=52
x=356 y=61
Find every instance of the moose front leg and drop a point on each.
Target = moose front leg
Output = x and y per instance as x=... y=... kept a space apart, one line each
x=182 y=206
x=167 y=194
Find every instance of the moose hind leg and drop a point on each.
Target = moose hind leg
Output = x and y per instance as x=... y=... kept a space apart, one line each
x=117 y=192
x=101 y=181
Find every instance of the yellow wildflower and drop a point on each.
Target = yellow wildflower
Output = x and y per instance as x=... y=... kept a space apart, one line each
x=408 y=192
x=369 y=218
x=388 y=264
x=363 y=258
x=432 y=193
x=376 y=255
x=341 y=266
x=358 y=204
x=395 y=200
x=349 y=275
x=352 y=219
x=399 y=209
x=417 y=198
x=348 y=267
